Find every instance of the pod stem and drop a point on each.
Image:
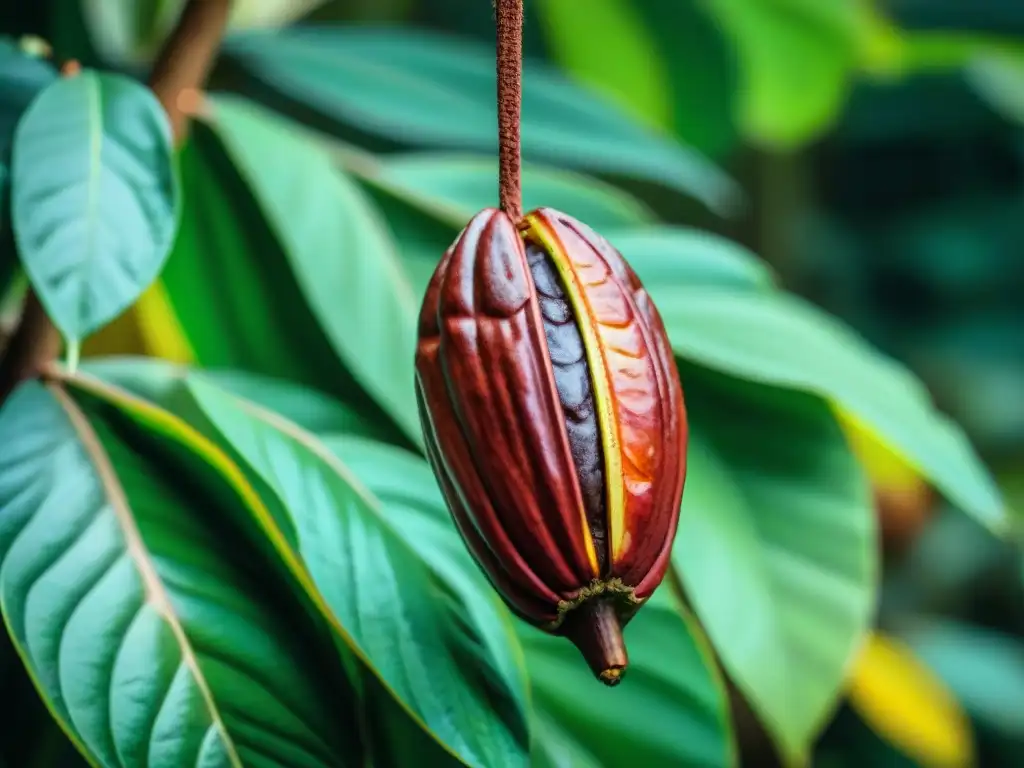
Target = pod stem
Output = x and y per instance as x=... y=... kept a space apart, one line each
x=509 y=17
x=596 y=630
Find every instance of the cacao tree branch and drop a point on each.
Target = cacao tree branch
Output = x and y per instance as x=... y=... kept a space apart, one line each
x=509 y=17
x=179 y=72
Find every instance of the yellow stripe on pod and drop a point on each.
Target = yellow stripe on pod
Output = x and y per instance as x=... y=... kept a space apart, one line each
x=535 y=228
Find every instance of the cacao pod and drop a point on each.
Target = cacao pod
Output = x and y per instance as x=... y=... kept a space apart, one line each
x=554 y=421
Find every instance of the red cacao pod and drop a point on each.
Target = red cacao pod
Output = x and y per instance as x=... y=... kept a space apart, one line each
x=554 y=422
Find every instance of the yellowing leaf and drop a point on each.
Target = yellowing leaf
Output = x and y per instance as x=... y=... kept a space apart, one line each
x=149 y=328
x=887 y=469
x=907 y=705
x=161 y=332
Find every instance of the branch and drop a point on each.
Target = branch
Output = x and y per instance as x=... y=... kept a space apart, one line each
x=178 y=74
x=184 y=62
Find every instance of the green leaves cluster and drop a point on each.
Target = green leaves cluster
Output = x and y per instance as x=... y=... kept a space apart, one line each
x=246 y=560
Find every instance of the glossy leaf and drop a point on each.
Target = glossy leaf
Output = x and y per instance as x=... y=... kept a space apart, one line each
x=776 y=548
x=408 y=492
x=339 y=248
x=671 y=708
x=420 y=88
x=667 y=257
x=225 y=239
x=94 y=197
x=156 y=380
x=778 y=339
x=469 y=183
x=150 y=641
x=385 y=603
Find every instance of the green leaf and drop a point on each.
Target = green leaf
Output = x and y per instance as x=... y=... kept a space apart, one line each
x=703 y=73
x=796 y=58
x=776 y=548
x=667 y=257
x=157 y=380
x=94 y=197
x=145 y=625
x=339 y=248
x=405 y=486
x=384 y=602
x=469 y=184
x=418 y=88
x=22 y=77
x=671 y=709
x=779 y=339
x=263 y=324
x=663 y=60
x=616 y=54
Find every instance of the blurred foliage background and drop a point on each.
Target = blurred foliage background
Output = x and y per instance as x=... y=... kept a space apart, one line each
x=879 y=147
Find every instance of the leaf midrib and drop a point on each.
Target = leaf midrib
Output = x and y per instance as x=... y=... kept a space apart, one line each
x=156 y=594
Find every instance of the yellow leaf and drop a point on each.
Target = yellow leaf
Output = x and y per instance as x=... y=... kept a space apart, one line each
x=887 y=469
x=120 y=337
x=160 y=328
x=149 y=328
x=908 y=706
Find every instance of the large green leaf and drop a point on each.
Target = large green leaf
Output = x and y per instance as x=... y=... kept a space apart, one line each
x=778 y=339
x=776 y=547
x=406 y=488
x=671 y=708
x=428 y=198
x=94 y=197
x=673 y=688
x=263 y=324
x=419 y=88
x=664 y=60
x=469 y=184
x=380 y=597
x=156 y=380
x=796 y=58
x=339 y=248
x=146 y=626
x=666 y=257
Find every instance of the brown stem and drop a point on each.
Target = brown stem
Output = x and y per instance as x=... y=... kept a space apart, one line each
x=596 y=630
x=34 y=343
x=185 y=60
x=509 y=14
x=180 y=70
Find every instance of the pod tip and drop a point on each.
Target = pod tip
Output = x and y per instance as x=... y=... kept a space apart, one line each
x=595 y=629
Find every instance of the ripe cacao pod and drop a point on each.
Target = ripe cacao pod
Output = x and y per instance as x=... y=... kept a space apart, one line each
x=554 y=421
